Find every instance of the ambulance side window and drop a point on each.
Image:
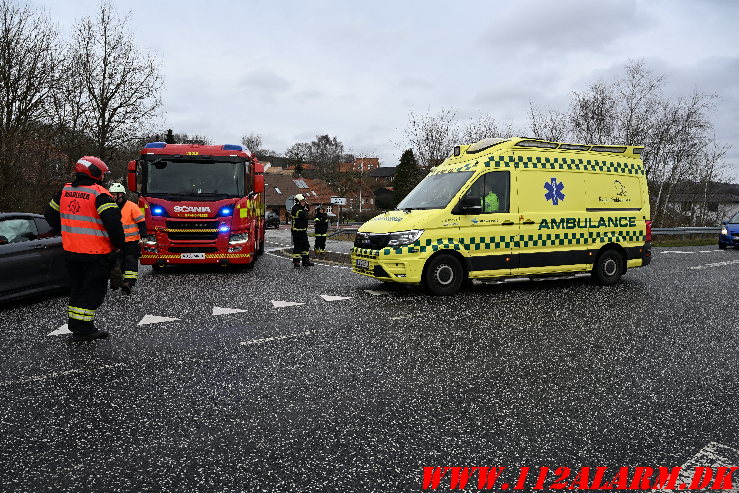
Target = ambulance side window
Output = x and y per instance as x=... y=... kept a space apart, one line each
x=493 y=191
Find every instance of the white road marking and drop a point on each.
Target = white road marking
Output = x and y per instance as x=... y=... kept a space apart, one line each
x=706 y=251
x=275 y=338
x=328 y=297
x=715 y=264
x=675 y=251
x=713 y=455
x=41 y=378
x=60 y=331
x=376 y=293
x=155 y=319
x=217 y=310
x=283 y=304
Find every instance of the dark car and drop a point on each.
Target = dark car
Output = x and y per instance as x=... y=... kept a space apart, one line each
x=31 y=257
x=729 y=233
x=272 y=220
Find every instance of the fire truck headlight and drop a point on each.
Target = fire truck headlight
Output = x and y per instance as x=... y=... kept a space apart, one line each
x=239 y=239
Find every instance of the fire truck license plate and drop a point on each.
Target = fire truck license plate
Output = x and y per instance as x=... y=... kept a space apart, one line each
x=362 y=263
x=192 y=256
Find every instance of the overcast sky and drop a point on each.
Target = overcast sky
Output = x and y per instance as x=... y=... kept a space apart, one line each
x=291 y=70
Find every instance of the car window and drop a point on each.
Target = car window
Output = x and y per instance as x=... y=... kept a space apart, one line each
x=44 y=230
x=492 y=191
x=17 y=230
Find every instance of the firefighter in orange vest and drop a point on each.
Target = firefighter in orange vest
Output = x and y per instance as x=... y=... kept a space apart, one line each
x=90 y=224
x=134 y=228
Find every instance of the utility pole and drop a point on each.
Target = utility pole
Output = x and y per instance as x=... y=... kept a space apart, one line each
x=361 y=170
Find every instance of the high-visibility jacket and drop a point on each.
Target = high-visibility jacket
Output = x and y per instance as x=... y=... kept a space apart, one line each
x=130 y=217
x=82 y=229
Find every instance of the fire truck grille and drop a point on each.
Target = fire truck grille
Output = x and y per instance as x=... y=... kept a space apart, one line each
x=193 y=250
x=192 y=230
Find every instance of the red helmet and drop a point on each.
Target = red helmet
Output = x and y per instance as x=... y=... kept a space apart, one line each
x=92 y=166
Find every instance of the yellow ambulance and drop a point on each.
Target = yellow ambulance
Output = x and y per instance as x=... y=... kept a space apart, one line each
x=516 y=207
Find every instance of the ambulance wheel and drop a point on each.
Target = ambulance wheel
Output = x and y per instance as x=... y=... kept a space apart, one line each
x=608 y=268
x=443 y=275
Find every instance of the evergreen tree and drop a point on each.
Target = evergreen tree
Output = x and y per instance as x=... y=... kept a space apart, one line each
x=407 y=176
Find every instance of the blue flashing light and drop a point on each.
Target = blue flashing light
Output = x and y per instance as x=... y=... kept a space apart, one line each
x=155 y=145
x=224 y=228
x=232 y=147
x=157 y=211
x=226 y=211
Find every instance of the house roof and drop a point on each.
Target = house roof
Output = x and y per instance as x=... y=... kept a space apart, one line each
x=277 y=189
x=383 y=172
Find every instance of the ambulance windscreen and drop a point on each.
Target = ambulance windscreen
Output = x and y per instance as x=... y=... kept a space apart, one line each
x=435 y=191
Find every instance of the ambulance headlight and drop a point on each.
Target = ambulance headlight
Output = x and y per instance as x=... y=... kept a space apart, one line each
x=404 y=237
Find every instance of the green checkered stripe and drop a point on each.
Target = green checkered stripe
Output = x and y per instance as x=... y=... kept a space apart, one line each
x=471 y=166
x=558 y=163
x=506 y=242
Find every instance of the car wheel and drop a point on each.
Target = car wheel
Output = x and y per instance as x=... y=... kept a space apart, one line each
x=158 y=267
x=722 y=246
x=608 y=268
x=260 y=250
x=443 y=275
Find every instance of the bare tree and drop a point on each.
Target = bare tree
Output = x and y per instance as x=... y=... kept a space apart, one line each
x=253 y=142
x=549 y=124
x=481 y=128
x=431 y=136
x=121 y=84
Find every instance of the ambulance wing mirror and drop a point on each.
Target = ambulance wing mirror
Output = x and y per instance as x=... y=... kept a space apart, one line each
x=132 y=176
x=470 y=204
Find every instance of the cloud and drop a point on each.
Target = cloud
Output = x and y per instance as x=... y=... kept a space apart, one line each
x=566 y=25
x=265 y=81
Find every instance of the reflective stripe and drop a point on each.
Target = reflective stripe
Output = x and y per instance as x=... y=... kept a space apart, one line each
x=84 y=231
x=54 y=205
x=82 y=314
x=130 y=235
x=130 y=275
x=130 y=227
x=296 y=255
x=320 y=234
x=105 y=207
x=138 y=219
x=82 y=189
x=84 y=219
x=299 y=229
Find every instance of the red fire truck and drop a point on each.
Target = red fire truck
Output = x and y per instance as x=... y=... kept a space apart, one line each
x=203 y=204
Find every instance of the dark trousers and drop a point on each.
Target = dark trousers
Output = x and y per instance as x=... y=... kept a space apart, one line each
x=301 y=246
x=320 y=242
x=88 y=277
x=129 y=258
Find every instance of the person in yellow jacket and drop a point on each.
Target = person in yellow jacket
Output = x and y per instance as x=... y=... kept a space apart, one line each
x=134 y=228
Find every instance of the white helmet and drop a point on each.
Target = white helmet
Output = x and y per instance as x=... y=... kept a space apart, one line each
x=299 y=197
x=117 y=188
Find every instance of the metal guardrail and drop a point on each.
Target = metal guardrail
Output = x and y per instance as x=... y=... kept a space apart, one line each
x=691 y=230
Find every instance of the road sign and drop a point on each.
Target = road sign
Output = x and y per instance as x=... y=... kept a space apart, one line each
x=338 y=200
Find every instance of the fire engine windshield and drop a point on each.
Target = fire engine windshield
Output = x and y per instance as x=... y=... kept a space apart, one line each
x=198 y=179
x=435 y=191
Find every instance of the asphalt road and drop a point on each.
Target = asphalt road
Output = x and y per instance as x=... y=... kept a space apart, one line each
x=360 y=391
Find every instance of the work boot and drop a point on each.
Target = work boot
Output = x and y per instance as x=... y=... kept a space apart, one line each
x=89 y=336
x=296 y=265
x=116 y=278
x=307 y=262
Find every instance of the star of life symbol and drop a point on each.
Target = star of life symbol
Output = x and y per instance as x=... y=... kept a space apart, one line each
x=554 y=191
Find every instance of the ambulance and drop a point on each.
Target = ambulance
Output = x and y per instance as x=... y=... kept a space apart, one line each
x=518 y=207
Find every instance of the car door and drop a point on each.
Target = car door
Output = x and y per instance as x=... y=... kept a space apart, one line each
x=52 y=253
x=21 y=263
x=489 y=235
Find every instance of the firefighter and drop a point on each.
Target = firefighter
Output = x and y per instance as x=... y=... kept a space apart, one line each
x=299 y=231
x=321 y=225
x=134 y=228
x=91 y=229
